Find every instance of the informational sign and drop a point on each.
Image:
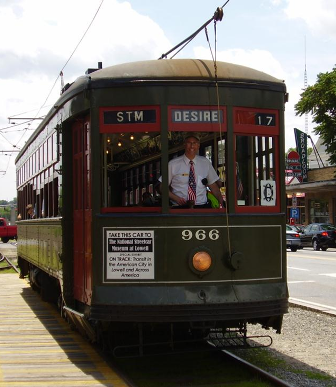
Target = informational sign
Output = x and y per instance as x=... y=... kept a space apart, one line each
x=268 y=192
x=129 y=254
x=301 y=146
x=294 y=213
x=293 y=165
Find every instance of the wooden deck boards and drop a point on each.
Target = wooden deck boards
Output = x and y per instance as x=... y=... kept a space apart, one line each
x=38 y=348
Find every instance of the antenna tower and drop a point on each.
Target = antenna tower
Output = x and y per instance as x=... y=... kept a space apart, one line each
x=305 y=87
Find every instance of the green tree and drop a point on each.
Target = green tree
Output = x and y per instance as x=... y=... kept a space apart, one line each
x=320 y=100
x=290 y=150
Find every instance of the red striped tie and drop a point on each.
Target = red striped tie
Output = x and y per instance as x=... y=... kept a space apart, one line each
x=192 y=183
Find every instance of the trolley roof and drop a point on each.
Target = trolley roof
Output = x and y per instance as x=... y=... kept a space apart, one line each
x=182 y=69
x=179 y=70
x=166 y=70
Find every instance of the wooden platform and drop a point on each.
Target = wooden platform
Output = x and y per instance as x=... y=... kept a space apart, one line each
x=38 y=348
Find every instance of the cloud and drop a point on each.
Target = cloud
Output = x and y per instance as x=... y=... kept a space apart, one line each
x=38 y=38
x=41 y=36
x=319 y=15
x=49 y=30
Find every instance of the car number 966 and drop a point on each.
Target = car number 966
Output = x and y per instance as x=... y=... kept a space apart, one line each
x=200 y=235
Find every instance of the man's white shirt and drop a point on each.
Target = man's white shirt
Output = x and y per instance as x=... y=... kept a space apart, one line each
x=178 y=177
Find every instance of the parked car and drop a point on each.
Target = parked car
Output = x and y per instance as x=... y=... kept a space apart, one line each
x=7 y=232
x=296 y=228
x=293 y=240
x=319 y=235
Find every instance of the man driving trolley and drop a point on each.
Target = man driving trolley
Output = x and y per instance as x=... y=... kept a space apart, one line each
x=189 y=176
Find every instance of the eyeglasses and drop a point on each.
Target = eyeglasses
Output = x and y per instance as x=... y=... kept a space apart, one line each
x=192 y=142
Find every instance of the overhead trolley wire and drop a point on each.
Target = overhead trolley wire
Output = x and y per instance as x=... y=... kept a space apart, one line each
x=80 y=41
x=14 y=125
x=73 y=52
x=43 y=105
x=87 y=29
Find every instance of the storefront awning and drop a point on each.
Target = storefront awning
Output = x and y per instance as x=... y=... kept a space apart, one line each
x=316 y=186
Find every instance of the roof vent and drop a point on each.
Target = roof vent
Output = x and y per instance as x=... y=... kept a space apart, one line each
x=89 y=71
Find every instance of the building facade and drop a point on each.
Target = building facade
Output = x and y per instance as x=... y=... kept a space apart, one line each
x=315 y=200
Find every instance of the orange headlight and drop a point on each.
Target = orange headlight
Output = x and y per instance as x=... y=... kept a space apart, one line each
x=201 y=261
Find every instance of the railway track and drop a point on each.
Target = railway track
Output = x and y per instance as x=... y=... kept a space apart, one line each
x=210 y=368
x=258 y=371
x=10 y=265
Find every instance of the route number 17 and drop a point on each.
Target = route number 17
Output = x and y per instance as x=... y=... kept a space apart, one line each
x=265 y=119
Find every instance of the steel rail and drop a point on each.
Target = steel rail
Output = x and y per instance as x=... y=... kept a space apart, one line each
x=273 y=379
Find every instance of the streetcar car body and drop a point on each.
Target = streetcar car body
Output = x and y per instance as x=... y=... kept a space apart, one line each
x=115 y=263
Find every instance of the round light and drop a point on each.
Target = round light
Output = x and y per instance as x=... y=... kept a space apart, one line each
x=201 y=261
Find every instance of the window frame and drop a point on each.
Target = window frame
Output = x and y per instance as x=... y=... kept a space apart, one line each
x=112 y=127
x=257 y=130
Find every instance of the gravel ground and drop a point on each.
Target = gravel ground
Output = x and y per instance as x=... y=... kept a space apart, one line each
x=304 y=353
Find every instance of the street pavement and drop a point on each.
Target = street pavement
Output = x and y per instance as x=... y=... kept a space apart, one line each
x=312 y=278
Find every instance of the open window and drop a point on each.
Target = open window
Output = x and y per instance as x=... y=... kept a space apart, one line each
x=131 y=151
x=256 y=160
x=130 y=158
x=131 y=169
x=209 y=124
x=212 y=147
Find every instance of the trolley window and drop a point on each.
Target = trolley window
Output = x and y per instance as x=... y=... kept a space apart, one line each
x=256 y=168
x=131 y=168
x=213 y=148
x=131 y=151
x=208 y=123
x=38 y=177
x=131 y=156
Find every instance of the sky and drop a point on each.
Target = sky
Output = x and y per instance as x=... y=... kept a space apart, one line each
x=40 y=38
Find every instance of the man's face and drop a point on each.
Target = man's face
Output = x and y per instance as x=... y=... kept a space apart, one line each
x=191 y=147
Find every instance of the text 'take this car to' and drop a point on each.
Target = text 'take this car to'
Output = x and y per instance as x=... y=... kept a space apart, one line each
x=319 y=235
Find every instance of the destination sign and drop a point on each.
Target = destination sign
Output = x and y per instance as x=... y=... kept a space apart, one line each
x=245 y=117
x=123 y=119
x=206 y=118
x=130 y=117
x=194 y=116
